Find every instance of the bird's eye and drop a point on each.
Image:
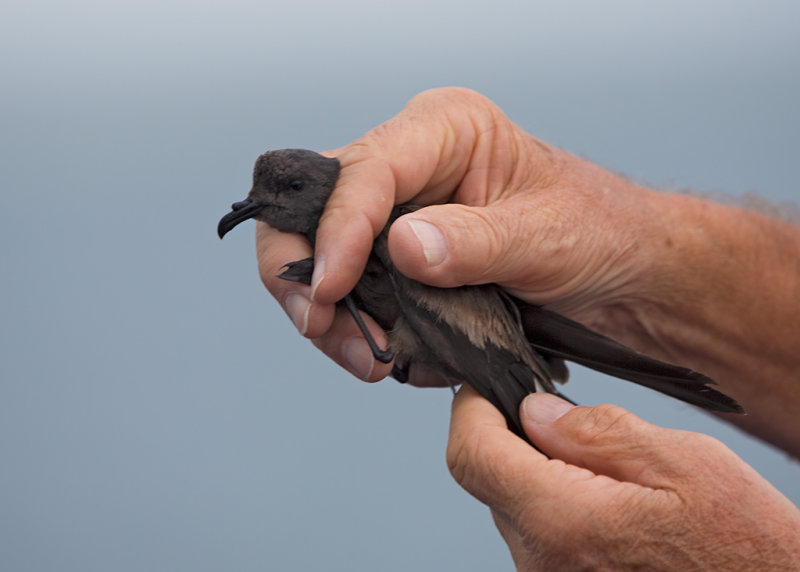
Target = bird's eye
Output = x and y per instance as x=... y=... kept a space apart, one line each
x=296 y=185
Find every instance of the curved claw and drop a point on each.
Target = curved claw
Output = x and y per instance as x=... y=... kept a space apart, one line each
x=298 y=271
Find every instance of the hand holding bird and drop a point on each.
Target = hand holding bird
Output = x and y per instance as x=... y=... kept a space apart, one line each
x=708 y=286
x=502 y=346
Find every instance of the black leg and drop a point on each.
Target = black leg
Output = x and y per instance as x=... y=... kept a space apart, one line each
x=384 y=356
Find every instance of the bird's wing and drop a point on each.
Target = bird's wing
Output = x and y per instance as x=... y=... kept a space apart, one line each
x=443 y=344
x=554 y=335
x=468 y=334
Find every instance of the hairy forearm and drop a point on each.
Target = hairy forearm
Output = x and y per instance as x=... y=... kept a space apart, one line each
x=724 y=294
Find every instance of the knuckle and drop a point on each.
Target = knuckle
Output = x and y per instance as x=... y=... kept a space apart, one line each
x=468 y=457
x=364 y=154
x=443 y=95
x=605 y=424
x=478 y=244
x=459 y=456
x=703 y=442
x=433 y=96
x=482 y=468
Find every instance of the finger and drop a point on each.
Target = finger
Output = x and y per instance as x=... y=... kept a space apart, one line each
x=500 y=469
x=275 y=249
x=332 y=329
x=354 y=215
x=425 y=148
x=608 y=440
x=345 y=344
x=518 y=243
x=534 y=242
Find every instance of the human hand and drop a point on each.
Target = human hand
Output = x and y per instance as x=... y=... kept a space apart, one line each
x=546 y=225
x=617 y=492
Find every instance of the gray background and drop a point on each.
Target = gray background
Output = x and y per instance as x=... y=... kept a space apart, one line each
x=157 y=409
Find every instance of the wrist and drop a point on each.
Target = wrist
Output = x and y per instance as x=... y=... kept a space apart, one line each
x=719 y=296
x=721 y=278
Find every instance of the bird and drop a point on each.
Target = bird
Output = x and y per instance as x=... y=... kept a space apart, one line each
x=502 y=346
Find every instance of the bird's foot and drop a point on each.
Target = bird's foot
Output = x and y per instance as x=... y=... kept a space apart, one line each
x=298 y=271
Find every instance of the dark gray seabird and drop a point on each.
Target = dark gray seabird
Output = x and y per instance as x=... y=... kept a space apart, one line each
x=503 y=347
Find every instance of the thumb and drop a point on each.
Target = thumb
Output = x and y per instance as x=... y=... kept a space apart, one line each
x=508 y=242
x=607 y=440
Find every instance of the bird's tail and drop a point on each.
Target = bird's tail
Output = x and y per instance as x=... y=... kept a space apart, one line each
x=554 y=335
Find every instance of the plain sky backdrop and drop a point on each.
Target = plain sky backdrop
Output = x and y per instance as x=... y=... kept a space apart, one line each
x=157 y=409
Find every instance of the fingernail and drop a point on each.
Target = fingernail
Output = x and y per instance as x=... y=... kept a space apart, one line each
x=358 y=357
x=298 y=307
x=431 y=239
x=544 y=408
x=318 y=276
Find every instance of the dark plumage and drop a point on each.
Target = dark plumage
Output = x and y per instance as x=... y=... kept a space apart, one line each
x=503 y=347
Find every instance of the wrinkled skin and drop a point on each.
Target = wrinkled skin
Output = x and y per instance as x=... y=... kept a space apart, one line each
x=707 y=286
x=618 y=493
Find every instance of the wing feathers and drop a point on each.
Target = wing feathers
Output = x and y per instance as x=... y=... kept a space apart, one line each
x=555 y=335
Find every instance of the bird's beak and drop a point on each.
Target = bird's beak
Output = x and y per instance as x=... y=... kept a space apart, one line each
x=240 y=212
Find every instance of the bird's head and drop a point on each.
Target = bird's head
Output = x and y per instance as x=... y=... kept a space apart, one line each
x=290 y=188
